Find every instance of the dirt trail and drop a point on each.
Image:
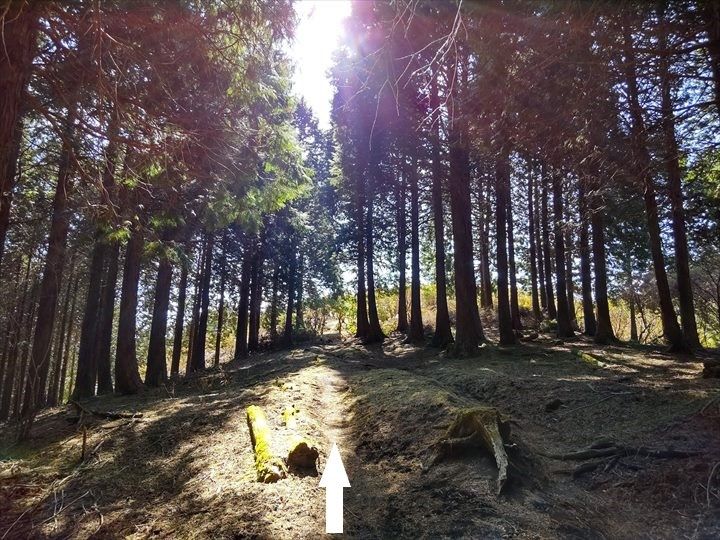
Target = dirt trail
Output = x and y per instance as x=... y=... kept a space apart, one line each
x=186 y=469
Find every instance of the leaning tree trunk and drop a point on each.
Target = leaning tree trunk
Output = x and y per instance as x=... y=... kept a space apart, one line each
x=547 y=264
x=51 y=281
x=127 y=376
x=564 y=326
x=401 y=225
x=589 y=322
x=502 y=197
x=415 y=332
x=672 y=163
x=179 y=321
x=156 y=372
x=443 y=333
x=107 y=314
x=642 y=163
x=19 y=25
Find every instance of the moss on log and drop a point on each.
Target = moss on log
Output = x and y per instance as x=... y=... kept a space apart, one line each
x=269 y=467
x=477 y=427
x=589 y=359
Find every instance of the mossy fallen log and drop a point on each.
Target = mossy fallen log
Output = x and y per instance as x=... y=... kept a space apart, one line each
x=479 y=427
x=269 y=467
x=588 y=358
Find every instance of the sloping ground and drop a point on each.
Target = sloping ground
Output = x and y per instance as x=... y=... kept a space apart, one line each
x=185 y=468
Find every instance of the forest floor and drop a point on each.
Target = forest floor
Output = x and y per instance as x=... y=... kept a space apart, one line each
x=185 y=468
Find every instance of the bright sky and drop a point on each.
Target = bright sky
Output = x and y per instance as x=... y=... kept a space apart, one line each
x=320 y=27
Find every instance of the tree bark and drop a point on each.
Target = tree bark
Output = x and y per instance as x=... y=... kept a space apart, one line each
x=401 y=224
x=569 y=270
x=642 y=168
x=68 y=344
x=107 y=314
x=274 y=316
x=672 y=164
x=198 y=359
x=51 y=398
x=415 y=332
x=179 y=321
x=288 y=331
x=375 y=334
x=156 y=372
x=19 y=22
x=537 y=313
x=241 y=331
x=195 y=311
x=514 y=302
x=539 y=250
x=221 y=306
x=604 y=333
x=589 y=322
x=255 y=300
x=51 y=281
x=363 y=322
x=443 y=333
x=127 y=376
x=502 y=196
x=469 y=333
x=564 y=326
x=550 y=298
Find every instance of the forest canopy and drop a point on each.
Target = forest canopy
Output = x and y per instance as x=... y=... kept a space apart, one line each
x=491 y=170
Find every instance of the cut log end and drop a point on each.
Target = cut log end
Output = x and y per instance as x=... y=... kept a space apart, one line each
x=302 y=455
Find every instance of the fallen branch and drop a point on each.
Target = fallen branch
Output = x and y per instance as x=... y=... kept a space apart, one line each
x=623 y=451
x=104 y=414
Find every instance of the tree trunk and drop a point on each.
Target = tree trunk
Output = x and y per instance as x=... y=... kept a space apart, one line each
x=195 y=311
x=241 y=331
x=299 y=320
x=19 y=43
x=589 y=322
x=539 y=249
x=401 y=224
x=156 y=372
x=552 y=311
x=198 y=358
x=486 y=297
x=274 y=303
x=569 y=271
x=604 y=333
x=514 y=302
x=642 y=165
x=469 y=333
x=51 y=282
x=68 y=345
x=443 y=333
x=537 y=313
x=672 y=164
x=711 y=14
x=87 y=356
x=376 y=334
x=564 y=326
x=179 y=321
x=51 y=398
x=107 y=314
x=363 y=322
x=127 y=376
x=415 y=333
x=255 y=300
x=24 y=354
x=502 y=196
x=288 y=331
x=17 y=324
x=221 y=306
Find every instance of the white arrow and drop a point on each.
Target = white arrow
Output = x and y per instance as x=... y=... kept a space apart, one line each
x=334 y=480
